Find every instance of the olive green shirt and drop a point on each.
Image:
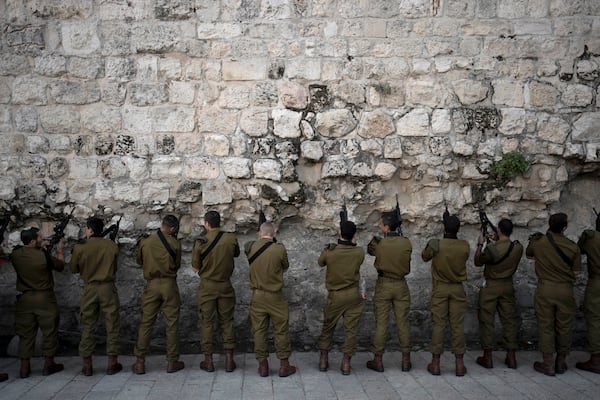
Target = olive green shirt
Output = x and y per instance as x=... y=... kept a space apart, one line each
x=266 y=272
x=156 y=260
x=589 y=243
x=95 y=260
x=32 y=269
x=218 y=265
x=493 y=253
x=343 y=263
x=449 y=259
x=392 y=255
x=548 y=263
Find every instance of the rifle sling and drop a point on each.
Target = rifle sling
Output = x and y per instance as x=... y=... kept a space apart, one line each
x=562 y=255
x=505 y=256
x=210 y=247
x=259 y=252
x=167 y=246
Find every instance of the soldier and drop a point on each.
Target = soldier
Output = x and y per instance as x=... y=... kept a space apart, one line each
x=589 y=243
x=160 y=256
x=448 y=299
x=392 y=262
x=36 y=305
x=212 y=260
x=556 y=261
x=497 y=293
x=343 y=261
x=267 y=261
x=96 y=262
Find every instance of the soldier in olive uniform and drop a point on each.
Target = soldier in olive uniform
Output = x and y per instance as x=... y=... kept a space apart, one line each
x=556 y=261
x=96 y=262
x=267 y=262
x=343 y=261
x=501 y=260
x=212 y=259
x=448 y=299
x=589 y=243
x=392 y=262
x=36 y=305
x=160 y=256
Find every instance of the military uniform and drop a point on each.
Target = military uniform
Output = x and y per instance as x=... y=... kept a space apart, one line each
x=96 y=262
x=448 y=299
x=266 y=282
x=498 y=294
x=392 y=262
x=589 y=243
x=215 y=293
x=342 y=278
x=160 y=294
x=36 y=305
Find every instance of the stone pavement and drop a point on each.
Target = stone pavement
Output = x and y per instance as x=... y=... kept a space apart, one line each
x=307 y=383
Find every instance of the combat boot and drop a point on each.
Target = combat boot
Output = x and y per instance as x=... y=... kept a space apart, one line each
x=139 y=367
x=87 y=368
x=545 y=367
x=376 y=364
x=345 y=367
x=511 y=359
x=285 y=369
x=113 y=366
x=50 y=367
x=461 y=370
x=591 y=365
x=560 y=365
x=174 y=366
x=207 y=365
x=486 y=360
x=3 y=377
x=434 y=366
x=406 y=364
x=229 y=362
x=25 y=369
x=324 y=361
x=263 y=368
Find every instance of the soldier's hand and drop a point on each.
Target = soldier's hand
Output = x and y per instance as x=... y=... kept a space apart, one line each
x=59 y=246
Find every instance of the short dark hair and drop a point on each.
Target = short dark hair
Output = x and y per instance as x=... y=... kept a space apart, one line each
x=557 y=222
x=213 y=218
x=452 y=224
x=347 y=230
x=505 y=226
x=170 y=221
x=28 y=235
x=96 y=225
x=389 y=219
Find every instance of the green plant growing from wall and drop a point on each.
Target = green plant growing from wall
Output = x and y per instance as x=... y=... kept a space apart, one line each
x=511 y=165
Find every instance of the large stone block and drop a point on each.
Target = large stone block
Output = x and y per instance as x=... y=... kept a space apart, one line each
x=155 y=37
x=128 y=192
x=237 y=167
x=513 y=121
x=585 y=127
x=137 y=120
x=200 y=168
x=101 y=119
x=29 y=91
x=508 y=93
x=415 y=123
x=216 y=192
x=74 y=92
x=173 y=119
x=59 y=120
x=311 y=150
x=235 y=96
x=392 y=147
x=470 y=91
x=334 y=168
x=542 y=94
x=166 y=167
x=335 y=123
x=182 y=92
x=215 y=120
x=425 y=92
x=79 y=38
x=385 y=171
x=246 y=70
x=303 y=68
x=216 y=145
x=286 y=123
x=156 y=193
x=25 y=119
x=267 y=169
x=50 y=65
x=14 y=64
x=219 y=30
x=577 y=96
x=85 y=68
x=146 y=94
x=293 y=95
x=375 y=124
x=83 y=168
x=254 y=121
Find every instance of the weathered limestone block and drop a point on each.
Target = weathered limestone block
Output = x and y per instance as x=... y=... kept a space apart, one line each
x=147 y=68
x=155 y=192
x=286 y=151
x=361 y=169
x=5 y=91
x=83 y=168
x=553 y=128
x=31 y=192
x=199 y=168
x=585 y=128
x=169 y=68
x=79 y=38
x=415 y=123
x=470 y=172
x=103 y=145
x=37 y=144
x=189 y=192
x=542 y=94
x=147 y=94
x=372 y=146
x=392 y=147
x=385 y=171
x=312 y=150
x=508 y=93
x=293 y=95
x=237 y=167
x=101 y=119
x=85 y=68
x=5 y=120
x=14 y=64
x=349 y=92
x=137 y=120
x=425 y=92
x=58 y=167
x=29 y=91
x=120 y=69
x=215 y=120
x=113 y=93
x=375 y=124
x=462 y=148
x=60 y=144
x=128 y=192
x=254 y=121
x=34 y=166
x=335 y=123
x=113 y=168
x=470 y=91
x=349 y=148
x=50 y=65
x=155 y=38
x=25 y=119
x=139 y=168
x=267 y=169
x=577 y=96
x=216 y=192
x=440 y=146
x=219 y=30
x=166 y=167
x=441 y=121
x=286 y=123
x=303 y=68
x=236 y=96
x=72 y=92
x=587 y=70
x=216 y=145
x=334 y=168
x=182 y=92
x=513 y=121
x=173 y=119
x=246 y=70
x=58 y=119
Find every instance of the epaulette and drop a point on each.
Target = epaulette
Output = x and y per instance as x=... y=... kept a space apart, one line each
x=536 y=236
x=331 y=246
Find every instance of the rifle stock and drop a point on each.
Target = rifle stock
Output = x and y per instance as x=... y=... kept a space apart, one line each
x=343 y=213
x=485 y=223
x=59 y=231
x=398 y=217
x=113 y=230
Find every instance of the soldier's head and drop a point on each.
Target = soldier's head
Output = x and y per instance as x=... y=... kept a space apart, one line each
x=212 y=219
x=347 y=230
x=31 y=237
x=558 y=222
x=95 y=226
x=267 y=230
x=170 y=224
x=451 y=225
x=389 y=219
x=505 y=226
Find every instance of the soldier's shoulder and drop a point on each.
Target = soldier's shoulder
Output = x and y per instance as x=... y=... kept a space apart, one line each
x=330 y=246
x=587 y=235
x=248 y=246
x=536 y=236
x=202 y=240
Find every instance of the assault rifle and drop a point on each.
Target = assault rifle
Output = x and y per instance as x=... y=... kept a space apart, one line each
x=59 y=231
x=446 y=213
x=261 y=215
x=597 y=219
x=485 y=223
x=113 y=230
x=343 y=213
x=398 y=217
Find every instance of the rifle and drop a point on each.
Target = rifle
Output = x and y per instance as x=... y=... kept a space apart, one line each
x=59 y=231
x=261 y=215
x=446 y=213
x=485 y=222
x=3 y=226
x=343 y=213
x=597 y=219
x=398 y=217
x=113 y=230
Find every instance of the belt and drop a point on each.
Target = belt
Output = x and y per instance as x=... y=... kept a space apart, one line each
x=353 y=286
x=100 y=283
x=265 y=291
x=501 y=280
x=547 y=282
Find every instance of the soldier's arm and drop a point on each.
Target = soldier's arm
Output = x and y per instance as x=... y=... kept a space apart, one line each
x=284 y=260
x=236 y=249
x=577 y=261
x=323 y=258
x=373 y=245
x=58 y=262
x=74 y=263
x=196 y=257
x=139 y=258
x=178 y=255
x=530 y=251
x=430 y=250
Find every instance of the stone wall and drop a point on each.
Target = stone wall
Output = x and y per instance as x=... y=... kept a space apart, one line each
x=145 y=107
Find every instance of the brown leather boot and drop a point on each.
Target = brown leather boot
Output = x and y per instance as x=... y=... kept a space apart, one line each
x=229 y=362
x=207 y=365
x=511 y=359
x=50 y=367
x=87 y=368
x=486 y=360
x=591 y=365
x=345 y=367
x=461 y=370
x=263 y=368
x=113 y=366
x=560 y=365
x=434 y=366
x=545 y=367
x=3 y=377
x=285 y=368
x=139 y=367
x=25 y=369
x=174 y=366
x=324 y=361
x=376 y=364
x=406 y=364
